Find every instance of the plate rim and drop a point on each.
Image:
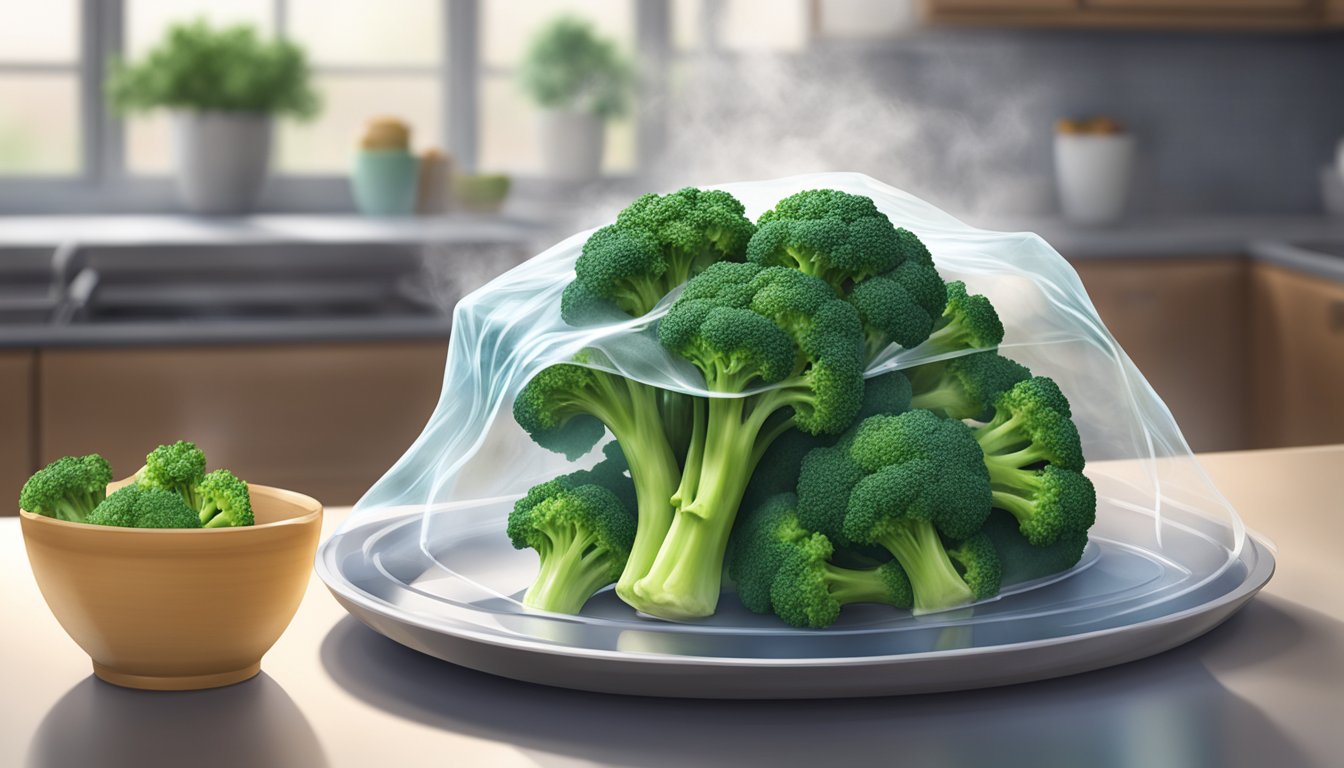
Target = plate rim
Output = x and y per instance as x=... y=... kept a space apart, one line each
x=1256 y=578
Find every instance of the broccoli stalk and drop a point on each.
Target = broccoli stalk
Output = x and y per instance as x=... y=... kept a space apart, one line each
x=745 y=326
x=565 y=407
x=582 y=531
x=69 y=488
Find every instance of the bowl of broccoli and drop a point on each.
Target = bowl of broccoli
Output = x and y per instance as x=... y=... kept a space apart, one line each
x=174 y=578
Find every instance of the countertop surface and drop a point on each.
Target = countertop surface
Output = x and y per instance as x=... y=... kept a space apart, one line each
x=1263 y=689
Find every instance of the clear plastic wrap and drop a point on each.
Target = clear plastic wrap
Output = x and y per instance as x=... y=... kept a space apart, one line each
x=1164 y=534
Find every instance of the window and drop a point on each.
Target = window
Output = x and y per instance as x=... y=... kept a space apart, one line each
x=39 y=88
x=507 y=118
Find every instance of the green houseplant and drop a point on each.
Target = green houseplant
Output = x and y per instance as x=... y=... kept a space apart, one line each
x=579 y=80
x=222 y=88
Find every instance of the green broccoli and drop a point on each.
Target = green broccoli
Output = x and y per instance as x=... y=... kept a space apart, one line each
x=136 y=506
x=566 y=407
x=68 y=488
x=656 y=244
x=1021 y=560
x=225 y=501
x=747 y=327
x=907 y=482
x=582 y=532
x=781 y=567
x=1031 y=426
x=884 y=271
x=968 y=322
x=965 y=387
x=178 y=467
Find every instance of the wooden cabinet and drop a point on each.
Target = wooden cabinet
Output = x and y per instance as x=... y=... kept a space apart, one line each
x=16 y=425
x=1184 y=323
x=1139 y=14
x=323 y=419
x=1298 y=375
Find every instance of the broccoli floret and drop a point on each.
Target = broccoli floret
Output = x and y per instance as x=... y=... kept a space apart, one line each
x=781 y=567
x=136 y=506
x=179 y=467
x=581 y=532
x=1023 y=561
x=565 y=408
x=965 y=387
x=656 y=244
x=747 y=327
x=1032 y=427
x=884 y=271
x=968 y=322
x=69 y=488
x=224 y=501
x=906 y=482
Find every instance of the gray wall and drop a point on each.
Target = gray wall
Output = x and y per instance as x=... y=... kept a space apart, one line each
x=1227 y=123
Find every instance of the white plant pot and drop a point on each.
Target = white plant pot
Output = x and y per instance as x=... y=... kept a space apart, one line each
x=571 y=144
x=1093 y=172
x=221 y=159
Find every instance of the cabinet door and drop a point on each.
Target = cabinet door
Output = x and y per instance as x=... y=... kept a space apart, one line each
x=16 y=426
x=1183 y=323
x=1298 y=336
x=1211 y=6
x=322 y=419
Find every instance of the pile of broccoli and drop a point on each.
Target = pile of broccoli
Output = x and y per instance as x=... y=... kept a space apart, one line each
x=172 y=490
x=813 y=483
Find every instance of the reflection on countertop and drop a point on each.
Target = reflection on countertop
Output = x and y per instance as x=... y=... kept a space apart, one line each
x=253 y=723
x=1167 y=710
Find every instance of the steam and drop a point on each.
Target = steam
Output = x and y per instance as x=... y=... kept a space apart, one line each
x=909 y=121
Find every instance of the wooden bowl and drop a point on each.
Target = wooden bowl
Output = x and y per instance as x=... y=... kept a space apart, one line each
x=177 y=609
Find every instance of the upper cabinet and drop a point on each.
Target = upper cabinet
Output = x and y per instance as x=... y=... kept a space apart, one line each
x=1151 y=14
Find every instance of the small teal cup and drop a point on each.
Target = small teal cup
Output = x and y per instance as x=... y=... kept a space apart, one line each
x=384 y=182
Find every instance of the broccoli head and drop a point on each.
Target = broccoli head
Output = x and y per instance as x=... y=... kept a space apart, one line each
x=967 y=322
x=906 y=483
x=225 y=501
x=884 y=271
x=178 y=467
x=780 y=350
x=581 y=532
x=136 y=506
x=782 y=568
x=69 y=488
x=656 y=244
x=965 y=387
x=1023 y=561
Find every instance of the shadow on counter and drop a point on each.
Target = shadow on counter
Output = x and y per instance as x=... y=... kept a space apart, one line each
x=1167 y=710
x=253 y=723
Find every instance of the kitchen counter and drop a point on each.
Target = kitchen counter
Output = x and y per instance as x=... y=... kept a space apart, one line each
x=1263 y=689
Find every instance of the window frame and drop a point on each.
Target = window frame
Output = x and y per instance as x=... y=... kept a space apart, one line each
x=104 y=183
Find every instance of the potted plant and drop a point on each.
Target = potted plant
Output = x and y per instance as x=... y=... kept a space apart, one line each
x=222 y=88
x=579 y=80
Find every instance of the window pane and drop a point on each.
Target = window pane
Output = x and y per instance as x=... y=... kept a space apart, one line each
x=508 y=25
x=46 y=31
x=509 y=133
x=742 y=25
x=407 y=32
x=327 y=144
x=39 y=124
x=147 y=20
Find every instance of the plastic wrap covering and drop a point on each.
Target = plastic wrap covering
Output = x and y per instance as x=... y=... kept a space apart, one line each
x=1163 y=532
